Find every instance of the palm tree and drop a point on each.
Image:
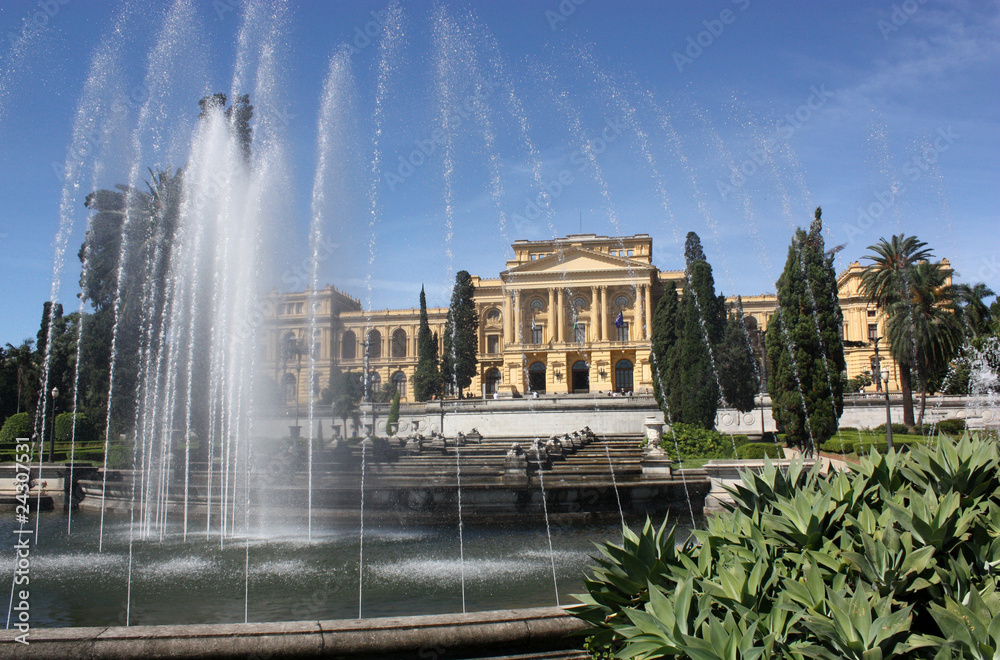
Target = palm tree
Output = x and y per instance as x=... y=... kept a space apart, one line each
x=886 y=282
x=924 y=329
x=975 y=313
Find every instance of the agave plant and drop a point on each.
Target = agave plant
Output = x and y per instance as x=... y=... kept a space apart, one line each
x=898 y=558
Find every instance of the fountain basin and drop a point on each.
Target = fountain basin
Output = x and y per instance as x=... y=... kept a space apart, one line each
x=475 y=634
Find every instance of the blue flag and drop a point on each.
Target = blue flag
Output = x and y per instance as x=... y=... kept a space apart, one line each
x=620 y=321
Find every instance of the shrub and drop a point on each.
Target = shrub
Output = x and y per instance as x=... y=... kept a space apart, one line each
x=897 y=429
x=17 y=426
x=119 y=456
x=85 y=432
x=847 y=429
x=740 y=440
x=769 y=436
x=842 y=444
x=758 y=450
x=694 y=441
x=951 y=426
x=894 y=559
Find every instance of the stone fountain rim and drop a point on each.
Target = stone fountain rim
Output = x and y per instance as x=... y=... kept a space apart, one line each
x=528 y=629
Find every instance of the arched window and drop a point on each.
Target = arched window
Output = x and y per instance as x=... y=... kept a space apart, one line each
x=492 y=381
x=621 y=302
x=290 y=387
x=399 y=382
x=374 y=344
x=398 y=347
x=536 y=377
x=348 y=346
x=624 y=372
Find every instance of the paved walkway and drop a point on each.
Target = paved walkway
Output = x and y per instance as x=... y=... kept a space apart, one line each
x=829 y=461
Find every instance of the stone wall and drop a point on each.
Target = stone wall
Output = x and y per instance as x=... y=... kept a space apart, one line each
x=529 y=418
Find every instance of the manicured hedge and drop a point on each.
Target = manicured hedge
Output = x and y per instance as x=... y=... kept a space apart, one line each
x=758 y=450
x=17 y=426
x=85 y=431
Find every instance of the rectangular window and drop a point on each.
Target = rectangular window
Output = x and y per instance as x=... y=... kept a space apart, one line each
x=492 y=344
x=536 y=335
x=871 y=313
x=623 y=332
x=580 y=332
x=872 y=331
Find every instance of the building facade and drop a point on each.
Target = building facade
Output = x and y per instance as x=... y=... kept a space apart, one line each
x=569 y=315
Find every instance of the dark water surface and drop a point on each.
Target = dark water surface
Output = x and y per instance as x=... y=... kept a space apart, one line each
x=408 y=570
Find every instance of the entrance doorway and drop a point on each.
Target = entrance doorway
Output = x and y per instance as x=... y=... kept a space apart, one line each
x=623 y=376
x=536 y=377
x=492 y=382
x=581 y=377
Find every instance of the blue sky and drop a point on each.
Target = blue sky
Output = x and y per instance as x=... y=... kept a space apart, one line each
x=734 y=119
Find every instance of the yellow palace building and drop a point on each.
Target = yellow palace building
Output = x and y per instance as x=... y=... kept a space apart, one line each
x=567 y=316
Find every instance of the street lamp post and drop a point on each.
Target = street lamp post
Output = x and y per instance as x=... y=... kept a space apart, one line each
x=882 y=375
x=52 y=445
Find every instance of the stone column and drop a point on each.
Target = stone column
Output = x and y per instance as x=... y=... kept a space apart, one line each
x=508 y=318
x=559 y=315
x=604 y=310
x=640 y=311
x=595 y=315
x=552 y=315
x=518 y=321
x=649 y=311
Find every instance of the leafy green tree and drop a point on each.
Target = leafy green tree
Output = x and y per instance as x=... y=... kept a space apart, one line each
x=803 y=342
x=694 y=398
x=886 y=281
x=976 y=315
x=426 y=378
x=126 y=256
x=664 y=338
x=344 y=394
x=737 y=366
x=84 y=431
x=924 y=329
x=461 y=343
x=239 y=114
x=19 y=383
x=393 y=417
x=16 y=426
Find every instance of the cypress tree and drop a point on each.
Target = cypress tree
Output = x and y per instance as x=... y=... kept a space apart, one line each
x=664 y=338
x=426 y=378
x=699 y=329
x=803 y=342
x=737 y=369
x=458 y=365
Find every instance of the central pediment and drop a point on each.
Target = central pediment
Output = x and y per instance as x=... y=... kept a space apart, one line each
x=578 y=260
